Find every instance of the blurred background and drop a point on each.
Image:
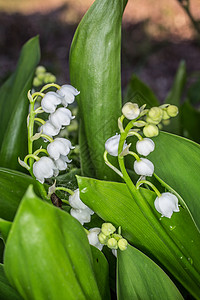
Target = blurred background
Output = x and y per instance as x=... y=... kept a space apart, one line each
x=156 y=36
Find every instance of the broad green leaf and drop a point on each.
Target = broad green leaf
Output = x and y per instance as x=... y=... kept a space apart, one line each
x=138 y=277
x=6 y=291
x=138 y=92
x=190 y=121
x=174 y=97
x=5 y=227
x=14 y=106
x=101 y=272
x=95 y=72
x=54 y=259
x=1 y=249
x=13 y=185
x=113 y=203
x=177 y=162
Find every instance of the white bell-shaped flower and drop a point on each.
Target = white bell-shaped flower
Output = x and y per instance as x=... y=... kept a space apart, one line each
x=61 y=162
x=93 y=238
x=76 y=203
x=166 y=204
x=59 y=146
x=112 y=145
x=61 y=117
x=68 y=93
x=131 y=110
x=145 y=146
x=144 y=167
x=49 y=129
x=50 y=102
x=44 y=168
x=82 y=215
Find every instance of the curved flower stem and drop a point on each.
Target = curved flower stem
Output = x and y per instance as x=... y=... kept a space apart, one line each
x=149 y=213
x=131 y=133
x=120 y=123
x=39 y=110
x=150 y=184
x=134 y=155
x=31 y=156
x=47 y=86
x=40 y=150
x=40 y=120
x=110 y=165
x=36 y=95
x=62 y=188
x=47 y=137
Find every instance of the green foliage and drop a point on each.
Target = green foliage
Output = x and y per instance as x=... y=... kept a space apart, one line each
x=139 y=277
x=95 y=72
x=7 y=292
x=113 y=202
x=53 y=254
x=14 y=106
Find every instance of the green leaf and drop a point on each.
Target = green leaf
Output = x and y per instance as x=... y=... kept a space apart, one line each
x=5 y=227
x=13 y=185
x=14 y=106
x=95 y=72
x=2 y=246
x=190 y=121
x=6 y=291
x=113 y=203
x=138 y=277
x=193 y=93
x=101 y=272
x=174 y=97
x=138 y=92
x=177 y=162
x=54 y=259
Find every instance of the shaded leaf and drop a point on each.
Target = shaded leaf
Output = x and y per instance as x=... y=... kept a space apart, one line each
x=114 y=203
x=140 y=278
x=53 y=254
x=14 y=106
x=6 y=291
x=95 y=71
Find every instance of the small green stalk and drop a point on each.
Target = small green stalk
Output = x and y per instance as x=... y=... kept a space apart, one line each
x=147 y=210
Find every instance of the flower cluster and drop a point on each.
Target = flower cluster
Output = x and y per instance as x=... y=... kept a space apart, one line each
x=79 y=210
x=42 y=77
x=148 y=119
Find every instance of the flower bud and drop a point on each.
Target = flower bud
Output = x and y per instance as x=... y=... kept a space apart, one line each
x=68 y=93
x=93 y=238
x=155 y=114
x=102 y=238
x=112 y=145
x=172 y=110
x=50 y=102
x=37 y=82
x=40 y=69
x=131 y=110
x=112 y=243
x=107 y=229
x=150 y=130
x=145 y=146
x=166 y=204
x=44 y=168
x=144 y=167
x=122 y=244
x=165 y=114
x=61 y=117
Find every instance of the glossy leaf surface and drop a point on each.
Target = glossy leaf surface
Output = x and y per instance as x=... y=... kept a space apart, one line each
x=14 y=106
x=138 y=92
x=138 y=277
x=114 y=203
x=54 y=259
x=95 y=72
x=6 y=291
x=13 y=185
x=177 y=162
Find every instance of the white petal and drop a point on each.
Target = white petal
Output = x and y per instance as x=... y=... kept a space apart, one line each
x=67 y=92
x=166 y=204
x=43 y=168
x=61 y=117
x=50 y=102
x=93 y=238
x=81 y=215
x=144 y=167
x=112 y=145
x=49 y=129
x=145 y=146
x=75 y=201
x=61 y=164
x=58 y=147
